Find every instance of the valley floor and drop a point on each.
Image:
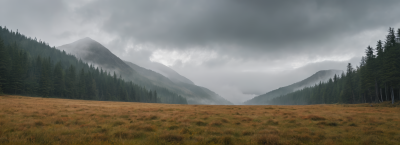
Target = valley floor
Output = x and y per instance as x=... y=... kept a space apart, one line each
x=33 y=120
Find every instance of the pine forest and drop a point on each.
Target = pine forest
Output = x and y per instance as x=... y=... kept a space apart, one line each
x=31 y=67
x=376 y=79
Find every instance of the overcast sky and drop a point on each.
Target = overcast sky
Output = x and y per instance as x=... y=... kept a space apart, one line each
x=235 y=48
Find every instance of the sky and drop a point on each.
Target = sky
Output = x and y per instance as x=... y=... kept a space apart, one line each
x=238 y=49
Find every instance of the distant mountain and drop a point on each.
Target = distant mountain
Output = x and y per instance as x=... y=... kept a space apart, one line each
x=94 y=53
x=320 y=76
x=167 y=72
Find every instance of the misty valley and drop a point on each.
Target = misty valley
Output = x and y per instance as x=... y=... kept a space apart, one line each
x=82 y=93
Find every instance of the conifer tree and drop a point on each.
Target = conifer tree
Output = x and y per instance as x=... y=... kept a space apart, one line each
x=3 y=64
x=59 y=86
x=70 y=82
x=349 y=96
x=27 y=67
x=81 y=85
x=45 y=78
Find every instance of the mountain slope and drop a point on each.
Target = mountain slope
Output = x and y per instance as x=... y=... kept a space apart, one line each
x=167 y=72
x=93 y=52
x=322 y=75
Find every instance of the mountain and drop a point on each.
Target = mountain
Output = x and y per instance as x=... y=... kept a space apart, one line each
x=320 y=76
x=167 y=72
x=92 y=52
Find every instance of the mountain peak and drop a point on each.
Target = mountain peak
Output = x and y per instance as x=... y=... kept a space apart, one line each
x=85 y=40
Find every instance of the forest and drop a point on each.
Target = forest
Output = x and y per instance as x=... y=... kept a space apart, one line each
x=375 y=80
x=31 y=67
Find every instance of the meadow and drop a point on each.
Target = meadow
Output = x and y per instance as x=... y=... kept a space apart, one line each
x=35 y=120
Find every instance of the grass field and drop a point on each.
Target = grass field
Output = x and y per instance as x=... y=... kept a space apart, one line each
x=32 y=120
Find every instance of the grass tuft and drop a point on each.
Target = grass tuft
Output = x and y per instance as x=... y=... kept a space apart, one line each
x=59 y=121
x=314 y=117
x=148 y=128
x=173 y=127
x=268 y=139
x=39 y=123
x=152 y=117
x=118 y=123
x=101 y=137
x=216 y=123
x=226 y=140
x=272 y=122
x=353 y=124
x=121 y=135
x=246 y=133
x=201 y=123
x=172 y=137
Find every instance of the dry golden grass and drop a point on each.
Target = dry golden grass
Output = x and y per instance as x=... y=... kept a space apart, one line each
x=31 y=120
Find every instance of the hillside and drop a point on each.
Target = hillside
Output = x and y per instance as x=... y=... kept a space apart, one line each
x=94 y=53
x=167 y=72
x=31 y=67
x=375 y=80
x=320 y=76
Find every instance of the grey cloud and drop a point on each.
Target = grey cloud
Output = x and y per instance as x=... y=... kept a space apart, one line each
x=255 y=27
x=244 y=34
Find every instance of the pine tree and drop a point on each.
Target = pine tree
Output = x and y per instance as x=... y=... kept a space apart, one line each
x=45 y=78
x=378 y=67
x=70 y=82
x=82 y=85
x=93 y=91
x=59 y=86
x=370 y=74
x=3 y=64
x=349 y=91
x=15 y=81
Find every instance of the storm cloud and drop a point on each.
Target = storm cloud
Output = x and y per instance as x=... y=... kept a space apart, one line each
x=232 y=47
x=244 y=28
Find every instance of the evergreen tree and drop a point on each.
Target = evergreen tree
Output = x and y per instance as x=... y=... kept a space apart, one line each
x=3 y=64
x=349 y=96
x=81 y=85
x=376 y=79
x=59 y=86
x=27 y=68
x=70 y=82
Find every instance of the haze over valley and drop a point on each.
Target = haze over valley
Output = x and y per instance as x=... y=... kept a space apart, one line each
x=237 y=50
x=199 y=72
x=266 y=46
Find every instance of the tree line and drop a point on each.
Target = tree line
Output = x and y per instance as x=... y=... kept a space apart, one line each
x=32 y=67
x=376 y=79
